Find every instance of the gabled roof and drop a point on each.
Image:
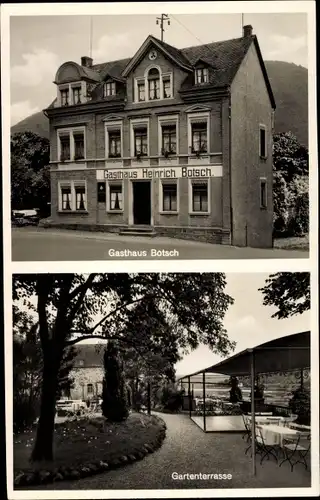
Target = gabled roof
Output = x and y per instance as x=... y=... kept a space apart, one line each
x=174 y=54
x=89 y=356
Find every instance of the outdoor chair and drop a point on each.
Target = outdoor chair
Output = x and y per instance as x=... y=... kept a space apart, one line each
x=258 y=447
x=247 y=433
x=296 y=450
x=266 y=449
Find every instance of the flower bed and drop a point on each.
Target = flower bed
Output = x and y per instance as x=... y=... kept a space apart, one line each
x=84 y=447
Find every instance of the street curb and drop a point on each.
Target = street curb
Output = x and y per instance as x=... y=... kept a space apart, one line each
x=85 y=470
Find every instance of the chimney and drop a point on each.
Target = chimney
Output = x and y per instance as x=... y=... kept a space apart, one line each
x=86 y=61
x=247 y=30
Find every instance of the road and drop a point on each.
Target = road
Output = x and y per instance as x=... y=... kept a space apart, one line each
x=188 y=450
x=39 y=244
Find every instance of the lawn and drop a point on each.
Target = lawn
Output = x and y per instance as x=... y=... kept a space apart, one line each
x=292 y=243
x=85 y=441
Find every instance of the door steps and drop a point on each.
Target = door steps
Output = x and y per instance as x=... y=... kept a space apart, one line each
x=138 y=231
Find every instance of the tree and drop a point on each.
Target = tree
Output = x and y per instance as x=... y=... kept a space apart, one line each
x=298 y=223
x=288 y=292
x=27 y=370
x=282 y=201
x=289 y=156
x=114 y=402
x=290 y=186
x=30 y=175
x=72 y=307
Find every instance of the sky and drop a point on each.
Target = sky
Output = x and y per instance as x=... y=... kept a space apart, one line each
x=40 y=44
x=247 y=321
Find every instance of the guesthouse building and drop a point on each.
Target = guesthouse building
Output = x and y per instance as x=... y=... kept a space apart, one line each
x=170 y=141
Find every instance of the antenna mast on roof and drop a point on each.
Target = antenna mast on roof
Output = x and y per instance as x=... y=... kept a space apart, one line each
x=90 y=49
x=242 y=21
x=161 y=20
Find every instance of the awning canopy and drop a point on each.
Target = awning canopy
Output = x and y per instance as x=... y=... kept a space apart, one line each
x=288 y=353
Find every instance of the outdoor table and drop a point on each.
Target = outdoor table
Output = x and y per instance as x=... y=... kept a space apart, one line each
x=265 y=420
x=274 y=434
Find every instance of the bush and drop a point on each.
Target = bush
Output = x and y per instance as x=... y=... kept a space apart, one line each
x=24 y=414
x=172 y=399
x=299 y=404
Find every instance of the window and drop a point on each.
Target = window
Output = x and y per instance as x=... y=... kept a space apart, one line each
x=90 y=388
x=109 y=89
x=199 y=137
x=73 y=196
x=169 y=139
x=76 y=92
x=71 y=144
x=115 y=197
x=200 y=197
x=64 y=147
x=78 y=138
x=263 y=193
x=80 y=192
x=101 y=195
x=141 y=91
x=114 y=144
x=263 y=143
x=80 y=362
x=169 y=197
x=64 y=93
x=166 y=88
x=66 y=197
x=141 y=141
x=201 y=76
x=154 y=84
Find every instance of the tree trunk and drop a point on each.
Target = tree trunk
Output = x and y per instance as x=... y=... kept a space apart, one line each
x=43 y=448
x=149 y=398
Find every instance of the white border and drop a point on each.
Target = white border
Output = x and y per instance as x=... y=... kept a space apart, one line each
x=271 y=265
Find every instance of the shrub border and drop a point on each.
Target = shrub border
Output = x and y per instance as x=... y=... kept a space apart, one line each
x=85 y=470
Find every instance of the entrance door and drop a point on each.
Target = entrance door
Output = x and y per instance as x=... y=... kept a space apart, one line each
x=142 y=203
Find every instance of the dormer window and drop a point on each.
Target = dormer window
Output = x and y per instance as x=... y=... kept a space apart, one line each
x=201 y=76
x=154 y=84
x=167 y=92
x=109 y=89
x=141 y=91
x=76 y=94
x=64 y=93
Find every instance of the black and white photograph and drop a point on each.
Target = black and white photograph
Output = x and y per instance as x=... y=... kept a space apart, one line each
x=152 y=381
x=160 y=229
x=160 y=136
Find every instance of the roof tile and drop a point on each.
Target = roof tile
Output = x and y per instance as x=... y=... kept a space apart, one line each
x=224 y=57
